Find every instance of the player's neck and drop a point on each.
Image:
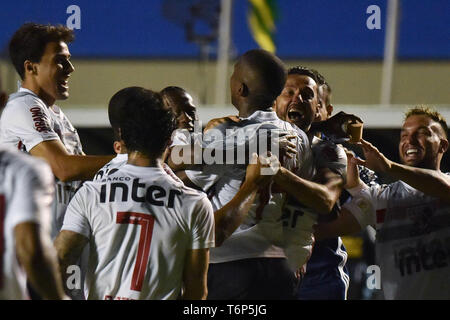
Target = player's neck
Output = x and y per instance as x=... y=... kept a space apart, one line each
x=139 y=159
x=34 y=87
x=247 y=110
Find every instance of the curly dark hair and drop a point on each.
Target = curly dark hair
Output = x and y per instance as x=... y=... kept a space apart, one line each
x=145 y=123
x=30 y=40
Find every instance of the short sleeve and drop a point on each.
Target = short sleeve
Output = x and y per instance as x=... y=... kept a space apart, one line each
x=32 y=193
x=203 y=225
x=363 y=207
x=75 y=218
x=25 y=120
x=180 y=137
x=206 y=177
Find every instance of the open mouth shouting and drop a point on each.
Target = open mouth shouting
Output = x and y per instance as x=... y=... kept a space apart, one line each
x=295 y=114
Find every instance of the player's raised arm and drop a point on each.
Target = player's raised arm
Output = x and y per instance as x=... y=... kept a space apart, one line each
x=67 y=167
x=430 y=181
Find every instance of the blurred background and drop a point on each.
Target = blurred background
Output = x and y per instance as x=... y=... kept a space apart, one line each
x=379 y=56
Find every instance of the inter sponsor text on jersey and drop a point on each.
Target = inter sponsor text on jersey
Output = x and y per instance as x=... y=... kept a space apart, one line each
x=140 y=222
x=412 y=240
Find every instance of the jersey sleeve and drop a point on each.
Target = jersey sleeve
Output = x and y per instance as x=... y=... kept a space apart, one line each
x=332 y=156
x=75 y=218
x=32 y=194
x=27 y=120
x=363 y=206
x=203 y=225
x=180 y=137
x=206 y=177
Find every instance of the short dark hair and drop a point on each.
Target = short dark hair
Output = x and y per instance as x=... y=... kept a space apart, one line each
x=30 y=40
x=167 y=91
x=145 y=123
x=305 y=71
x=271 y=72
x=429 y=112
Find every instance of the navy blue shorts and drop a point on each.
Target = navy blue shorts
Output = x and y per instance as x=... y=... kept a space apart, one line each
x=326 y=285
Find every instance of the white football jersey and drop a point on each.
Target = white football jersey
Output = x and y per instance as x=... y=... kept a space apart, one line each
x=140 y=222
x=27 y=121
x=26 y=194
x=297 y=219
x=412 y=240
x=260 y=235
x=118 y=161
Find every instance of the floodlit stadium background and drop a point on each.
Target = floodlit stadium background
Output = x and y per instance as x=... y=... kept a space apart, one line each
x=156 y=43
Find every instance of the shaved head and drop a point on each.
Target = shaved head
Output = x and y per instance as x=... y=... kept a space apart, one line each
x=263 y=74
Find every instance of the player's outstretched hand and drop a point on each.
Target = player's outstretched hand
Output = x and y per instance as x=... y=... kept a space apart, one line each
x=375 y=160
x=286 y=145
x=261 y=169
x=352 y=170
x=336 y=124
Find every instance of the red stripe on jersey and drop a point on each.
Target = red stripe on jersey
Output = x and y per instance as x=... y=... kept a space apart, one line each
x=381 y=215
x=19 y=146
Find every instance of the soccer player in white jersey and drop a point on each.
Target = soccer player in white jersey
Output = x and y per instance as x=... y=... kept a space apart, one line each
x=247 y=265
x=32 y=122
x=307 y=199
x=411 y=216
x=149 y=235
x=26 y=251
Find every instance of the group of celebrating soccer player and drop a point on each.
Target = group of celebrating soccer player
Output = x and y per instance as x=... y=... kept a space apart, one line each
x=164 y=219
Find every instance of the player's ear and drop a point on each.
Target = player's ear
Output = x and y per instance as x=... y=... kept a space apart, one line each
x=329 y=110
x=317 y=116
x=243 y=90
x=443 y=146
x=30 y=67
x=117 y=147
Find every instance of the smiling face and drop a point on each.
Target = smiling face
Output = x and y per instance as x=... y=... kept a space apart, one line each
x=298 y=101
x=422 y=143
x=53 y=71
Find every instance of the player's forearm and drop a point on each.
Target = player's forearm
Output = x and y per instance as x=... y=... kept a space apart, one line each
x=195 y=290
x=37 y=260
x=76 y=167
x=345 y=224
x=69 y=246
x=313 y=195
x=230 y=217
x=431 y=182
x=43 y=275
